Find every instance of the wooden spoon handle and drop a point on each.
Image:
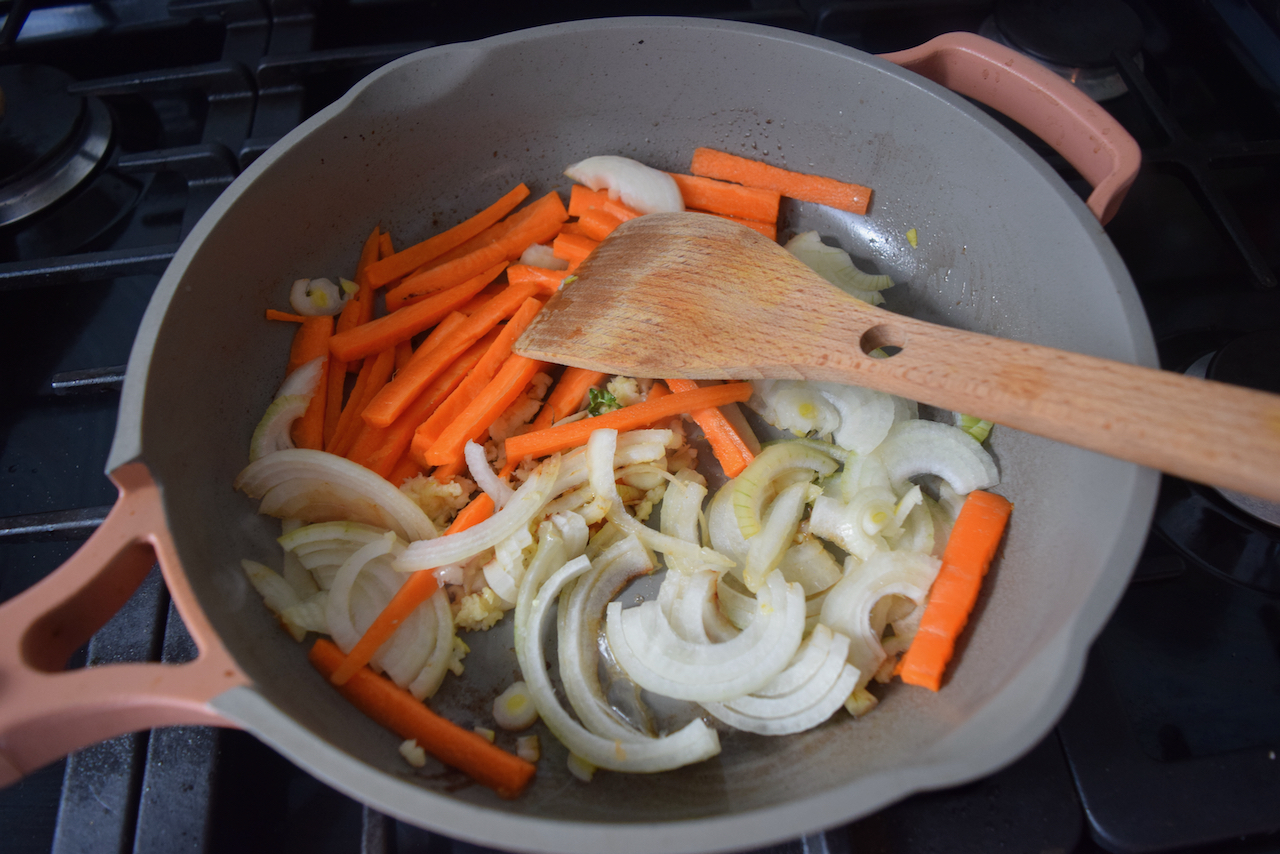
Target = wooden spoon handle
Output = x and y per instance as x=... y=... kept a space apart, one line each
x=1206 y=431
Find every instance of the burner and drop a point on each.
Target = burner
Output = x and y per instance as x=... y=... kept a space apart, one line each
x=1078 y=39
x=1234 y=535
x=50 y=141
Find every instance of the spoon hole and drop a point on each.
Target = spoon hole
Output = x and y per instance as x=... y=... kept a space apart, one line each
x=886 y=339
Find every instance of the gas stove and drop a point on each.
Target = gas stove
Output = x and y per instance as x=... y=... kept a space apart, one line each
x=123 y=120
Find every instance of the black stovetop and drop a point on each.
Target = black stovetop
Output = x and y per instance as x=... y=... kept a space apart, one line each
x=1170 y=742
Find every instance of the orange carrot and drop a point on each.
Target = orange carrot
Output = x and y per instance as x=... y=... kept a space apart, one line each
x=408 y=384
x=501 y=392
x=573 y=226
x=479 y=509
x=276 y=314
x=485 y=370
x=726 y=443
x=721 y=197
x=567 y=396
x=389 y=330
x=709 y=163
x=352 y=315
x=769 y=230
x=573 y=247
x=444 y=329
x=619 y=210
x=311 y=341
x=403 y=470
x=385 y=249
x=543 y=223
x=583 y=199
x=398 y=711
x=548 y=280
x=491 y=234
x=404 y=352
x=407 y=260
x=597 y=224
x=564 y=436
x=375 y=373
x=970 y=548
x=380 y=449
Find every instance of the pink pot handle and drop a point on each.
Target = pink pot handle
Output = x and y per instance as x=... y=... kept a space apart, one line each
x=1053 y=109
x=45 y=711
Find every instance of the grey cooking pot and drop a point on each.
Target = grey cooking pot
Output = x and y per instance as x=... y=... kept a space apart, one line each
x=1002 y=246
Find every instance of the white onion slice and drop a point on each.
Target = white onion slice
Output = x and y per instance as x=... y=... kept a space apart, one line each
x=765 y=549
x=317 y=297
x=811 y=697
x=541 y=255
x=848 y=606
x=692 y=743
x=314 y=486
x=496 y=487
x=657 y=659
x=639 y=187
x=913 y=448
x=524 y=505
x=600 y=455
x=837 y=267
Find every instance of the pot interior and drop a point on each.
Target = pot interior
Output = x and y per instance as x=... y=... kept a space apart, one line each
x=1004 y=248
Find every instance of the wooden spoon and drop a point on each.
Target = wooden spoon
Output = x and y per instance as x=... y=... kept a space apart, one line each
x=699 y=297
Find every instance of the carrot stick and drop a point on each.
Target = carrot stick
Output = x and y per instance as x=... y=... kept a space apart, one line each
x=567 y=396
x=385 y=249
x=276 y=314
x=491 y=234
x=448 y=471
x=501 y=392
x=389 y=330
x=721 y=197
x=572 y=227
x=381 y=448
x=726 y=443
x=541 y=225
x=485 y=370
x=404 y=352
x=443 y=330
x=479 y=509
x=573 y=247
x=374 y=373
x=407 y=260
x=965 y=561
x=620 y=210
x=311 y=341
x=352 y=314
x=398 y=711
x=408 y=384
x=709 y=163
x=403 y=470
x=582 y=199
x=597 y=224
x=637 y=415
x=547 y=280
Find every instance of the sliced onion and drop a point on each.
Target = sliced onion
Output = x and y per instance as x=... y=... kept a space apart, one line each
x=679 y=517
x=865 y=415
x=578 y=626
x=541 y=255
x=657 y=659
x=692 y=743
x=523 y=507
x=314 y=486
x=433 y=671
x=641 y=188
x=809 y=564
x=495 y=487
x=836 y=266
x=274 y=590
x=317 y=297
x=765 y=549
x=848 y=606
x=913 y=448
x=341 y=627
x=307 y=616
x=600 y=456
x=274 y=429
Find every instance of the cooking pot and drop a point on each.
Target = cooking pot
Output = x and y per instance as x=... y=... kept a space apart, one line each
x=977 y=229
